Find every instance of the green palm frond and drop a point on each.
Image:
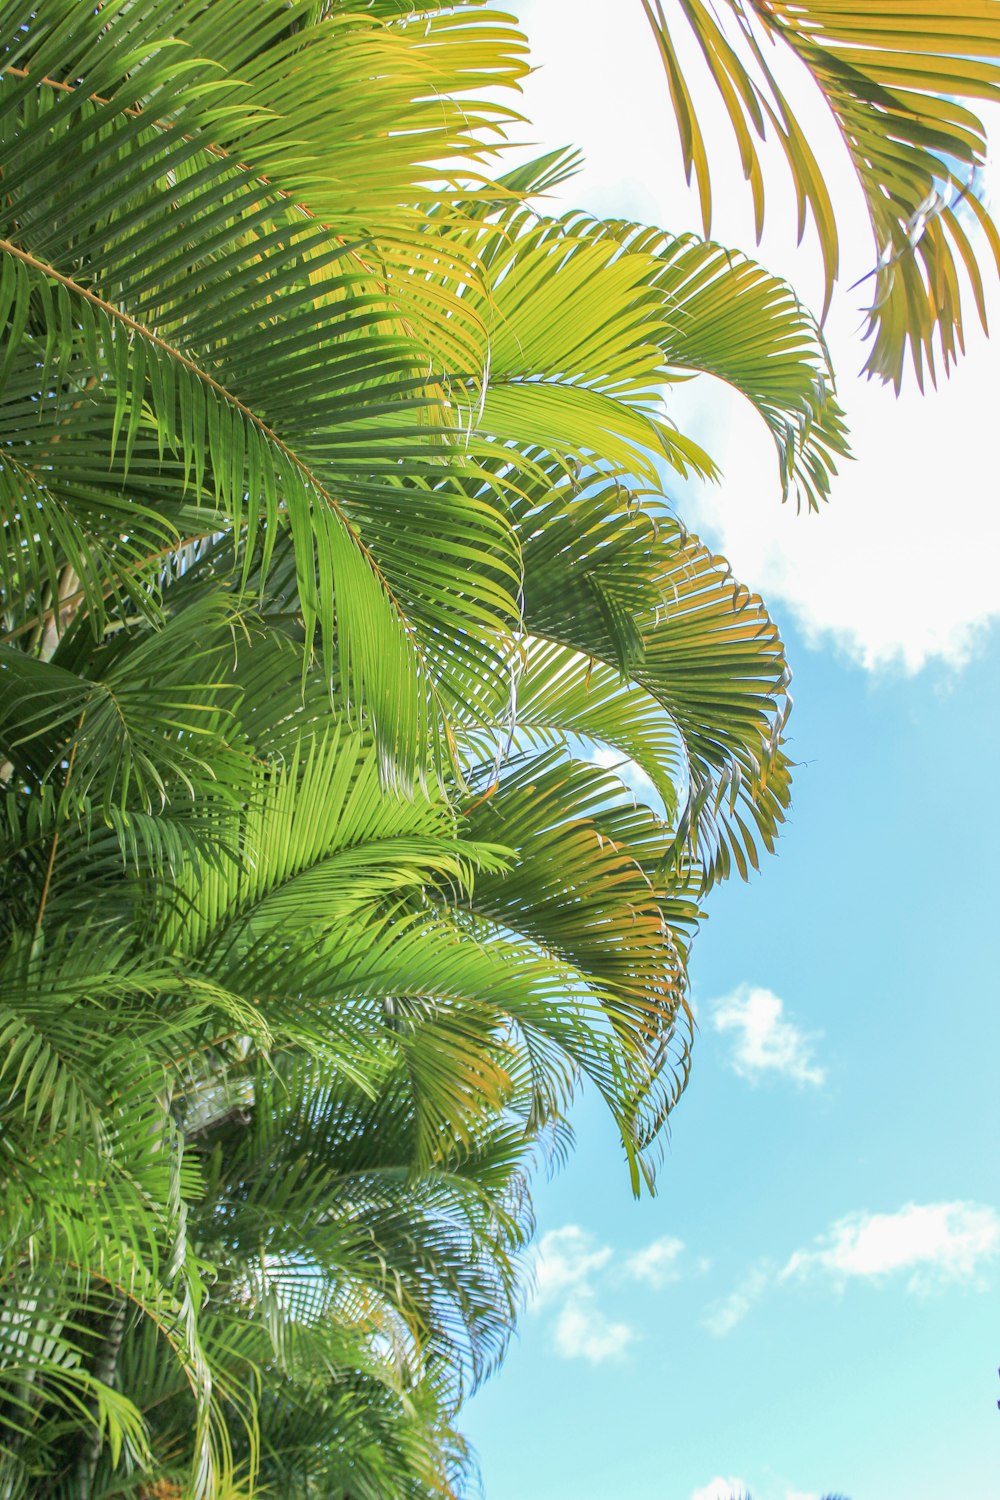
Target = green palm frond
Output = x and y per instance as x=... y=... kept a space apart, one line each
x=898 y=79
x=571 y=356
x=323 y=844
x=628 y=587
x=329 y=1180
x=333 y=544
x=351 y=144
x=591 y=894
x=270 y=355
x=560 y=695
x=155 y=717
x=779 y=362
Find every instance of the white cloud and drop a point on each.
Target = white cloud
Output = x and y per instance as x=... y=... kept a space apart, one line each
x=723 y=1316
x=720 y=1489
x=564 y=1259
x=932 y=1244
x=725 y=1489
x=566 y=1262
x=629 y=771
x=764 y=1040
x=898 y=570
x=582 y=1331
x=656 y=1263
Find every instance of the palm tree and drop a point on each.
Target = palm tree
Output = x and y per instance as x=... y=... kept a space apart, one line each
x=335 y=539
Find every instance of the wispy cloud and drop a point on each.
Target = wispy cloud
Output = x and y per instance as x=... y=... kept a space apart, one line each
x=735 y=1489
x=764 y=1041
x=564 y=1260
x=723 y=1316
x=931 y=1244
x=927 y=1246
x=656 y=1264
x=571 y=1269
x=568 y=1261
x=582 y=1331
x=720 y=1489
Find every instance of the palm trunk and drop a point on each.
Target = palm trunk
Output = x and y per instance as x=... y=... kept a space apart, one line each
x=104 y=1370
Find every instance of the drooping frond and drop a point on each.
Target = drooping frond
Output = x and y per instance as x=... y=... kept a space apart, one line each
x=218 y=344
x=778 y=360
x=631 y=589
x=899 y=78
x=334 y=567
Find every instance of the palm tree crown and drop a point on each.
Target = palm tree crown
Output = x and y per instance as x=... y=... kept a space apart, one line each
x=335 y=540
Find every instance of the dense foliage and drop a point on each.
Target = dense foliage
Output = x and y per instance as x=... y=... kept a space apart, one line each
x=335 y=541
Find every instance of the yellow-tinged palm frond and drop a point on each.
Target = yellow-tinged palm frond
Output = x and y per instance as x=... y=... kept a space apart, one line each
x=583 y=322
x=571 y=355
x=585 y=852
x=181 y=315
x=898 y=78
x=354 y=112
x=727 y=316
x=324 y=559
x=624 y=584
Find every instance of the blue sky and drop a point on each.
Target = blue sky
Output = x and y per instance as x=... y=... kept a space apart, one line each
x=869 y=1369
x=809 y=1304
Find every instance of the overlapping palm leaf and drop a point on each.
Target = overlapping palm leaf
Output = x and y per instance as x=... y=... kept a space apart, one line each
x=267 y=352
x=899 y=79
x=334 y=931
x=624 y=585
x=334 y=559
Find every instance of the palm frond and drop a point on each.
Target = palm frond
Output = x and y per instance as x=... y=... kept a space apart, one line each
x=898 y=80
x=333 y=545
x=630 y=588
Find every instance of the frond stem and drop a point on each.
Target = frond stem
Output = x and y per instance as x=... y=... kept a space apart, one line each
x=313 y=481
x=70 y=599
x=55 y=837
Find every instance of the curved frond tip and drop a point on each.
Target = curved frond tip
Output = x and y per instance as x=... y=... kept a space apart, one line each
x=901 y=80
